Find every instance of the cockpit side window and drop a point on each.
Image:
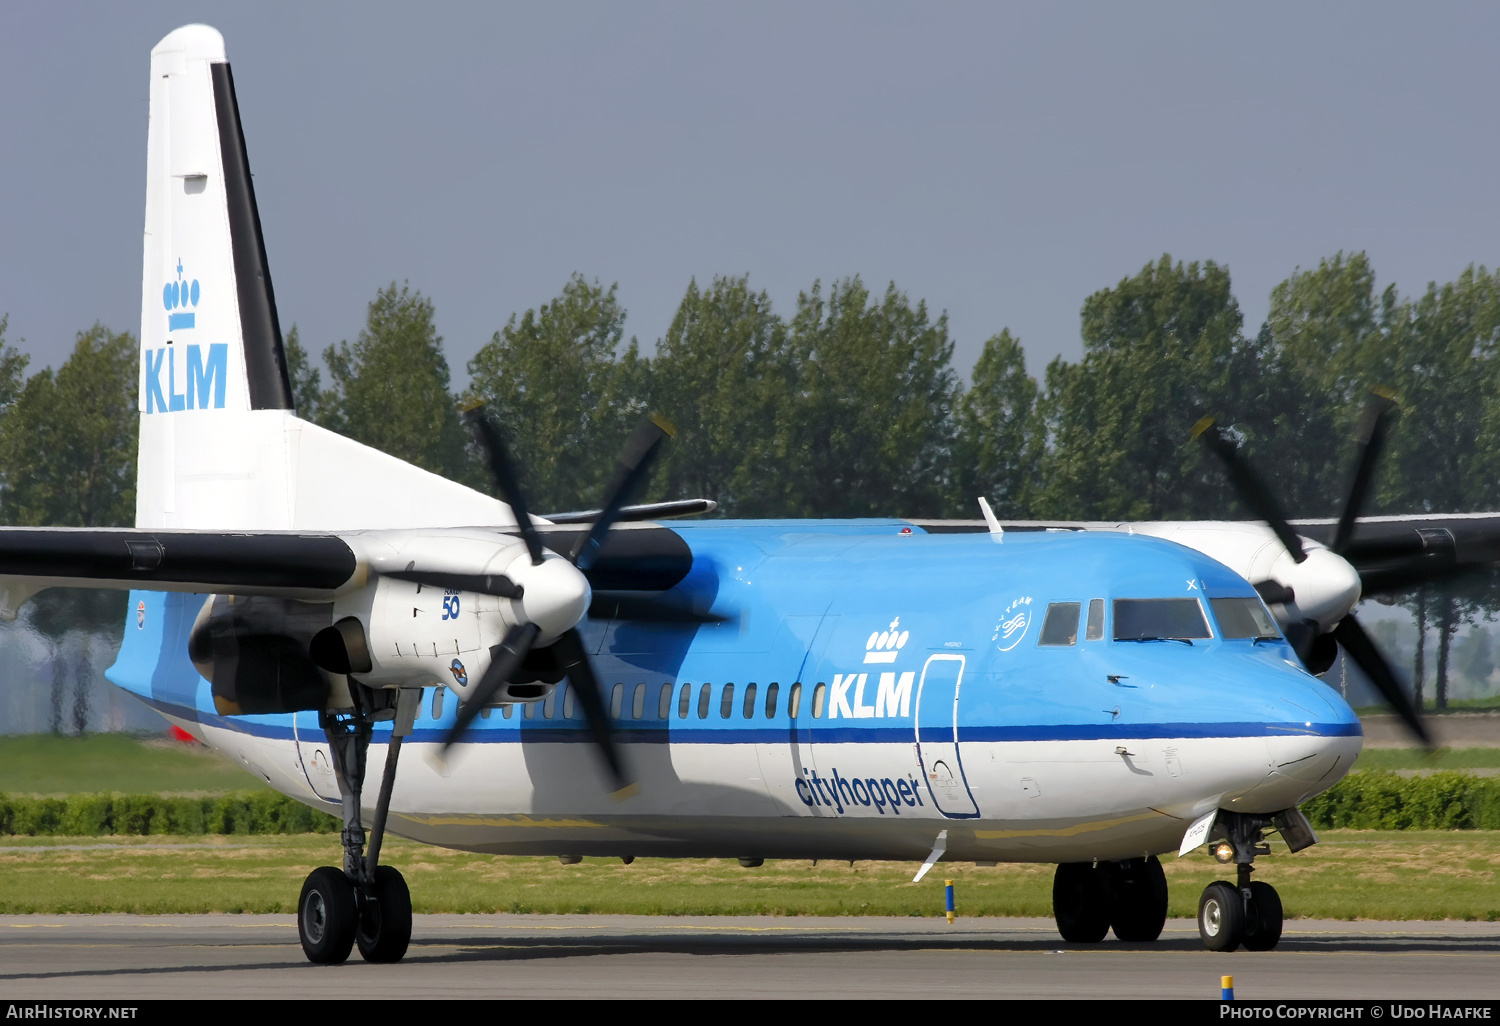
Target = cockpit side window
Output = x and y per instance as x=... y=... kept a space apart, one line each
x=1095 y=629
x=1243 y=618
x=1170 y=619
x=1061 y=625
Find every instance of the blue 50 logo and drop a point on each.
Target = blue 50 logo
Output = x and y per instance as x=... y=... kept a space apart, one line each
x=450 y=605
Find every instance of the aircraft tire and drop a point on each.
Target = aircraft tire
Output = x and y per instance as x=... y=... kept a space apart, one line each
x=1138 y=905
x=385 y=918
x=1263 y=924
x=1221 y=916
x=327 y=916
x=1080 y=903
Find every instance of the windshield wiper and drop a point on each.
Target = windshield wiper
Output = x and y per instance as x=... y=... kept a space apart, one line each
x=1185 y=641
x=1265 y=637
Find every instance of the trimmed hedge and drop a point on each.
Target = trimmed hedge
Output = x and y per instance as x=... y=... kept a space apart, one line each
x=1383 y=800
x=92 y=815
x=1367 y=800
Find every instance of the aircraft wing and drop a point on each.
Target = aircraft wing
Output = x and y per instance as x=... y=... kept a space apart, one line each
x=298 y=565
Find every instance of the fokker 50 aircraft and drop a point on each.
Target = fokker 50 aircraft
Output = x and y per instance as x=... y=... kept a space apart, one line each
x=779 y=689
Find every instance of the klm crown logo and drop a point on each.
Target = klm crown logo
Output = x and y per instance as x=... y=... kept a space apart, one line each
x=176 y=296
x=883 y=645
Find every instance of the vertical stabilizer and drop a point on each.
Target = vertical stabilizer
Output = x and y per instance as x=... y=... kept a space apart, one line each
x=220 y=447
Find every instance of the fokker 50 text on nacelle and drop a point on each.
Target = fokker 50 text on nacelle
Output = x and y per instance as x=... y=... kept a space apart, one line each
x=777 y=689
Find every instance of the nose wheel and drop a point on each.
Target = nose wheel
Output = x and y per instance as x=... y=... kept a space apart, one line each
x=1242 y=913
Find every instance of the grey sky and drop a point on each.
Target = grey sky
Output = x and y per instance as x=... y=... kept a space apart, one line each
x=1000 y=161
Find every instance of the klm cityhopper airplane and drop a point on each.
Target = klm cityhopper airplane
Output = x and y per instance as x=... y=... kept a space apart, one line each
x=871 y=689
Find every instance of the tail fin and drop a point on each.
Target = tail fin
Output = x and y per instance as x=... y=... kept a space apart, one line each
x=220 y=446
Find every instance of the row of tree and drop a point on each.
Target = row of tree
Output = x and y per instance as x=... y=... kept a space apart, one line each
x=850 y=406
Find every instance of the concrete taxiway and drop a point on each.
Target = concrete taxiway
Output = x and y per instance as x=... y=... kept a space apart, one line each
x=228 y=956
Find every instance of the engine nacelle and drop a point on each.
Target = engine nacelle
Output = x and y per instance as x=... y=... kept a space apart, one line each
x=398 y=633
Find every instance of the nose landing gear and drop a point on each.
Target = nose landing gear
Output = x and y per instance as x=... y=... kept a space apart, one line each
x=1246 y=912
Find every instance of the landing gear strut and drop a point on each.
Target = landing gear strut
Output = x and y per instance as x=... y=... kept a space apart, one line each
x=1245 y=912
x=365 y=903
x=1090 y=898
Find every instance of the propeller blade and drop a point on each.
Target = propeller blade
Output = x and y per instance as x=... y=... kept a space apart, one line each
x=1371 y=441
x=502 y=470
x=630 y=470
x=506 y=657
x=575 y=663
x=482 y=584
x=1366 y=655
x=1247 y=484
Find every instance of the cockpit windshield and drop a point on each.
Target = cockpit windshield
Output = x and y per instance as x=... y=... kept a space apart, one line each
x=1173 y=619
x=1243 y=618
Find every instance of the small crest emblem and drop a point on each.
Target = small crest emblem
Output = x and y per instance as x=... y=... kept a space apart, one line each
x=1012 y=625
x=140 y=615
x=459 y=673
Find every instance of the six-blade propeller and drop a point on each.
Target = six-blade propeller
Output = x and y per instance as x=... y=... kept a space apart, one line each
x=567 y=650
x=1348 y=633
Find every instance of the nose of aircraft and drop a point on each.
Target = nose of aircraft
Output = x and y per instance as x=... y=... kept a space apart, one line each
x=1312 y=738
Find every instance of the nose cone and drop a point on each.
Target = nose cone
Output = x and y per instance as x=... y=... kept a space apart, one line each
x=556 y=594
x=1325 y=585
x=1312 y=739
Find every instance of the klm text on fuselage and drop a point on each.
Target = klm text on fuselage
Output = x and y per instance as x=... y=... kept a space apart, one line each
x=202 y=381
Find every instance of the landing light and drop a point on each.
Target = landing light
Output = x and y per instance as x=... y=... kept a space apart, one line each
x=1224 y=852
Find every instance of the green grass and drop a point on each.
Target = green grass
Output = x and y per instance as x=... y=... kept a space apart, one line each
x=1415 y=758
x=46 y=764
x=1351 y=875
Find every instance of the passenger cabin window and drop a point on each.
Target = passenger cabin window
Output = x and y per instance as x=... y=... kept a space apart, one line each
x=638 y=702
x=550 y=704
x=1171 y=619
x=616 y=701
x=684 y=701
x=750 y=701
x=771 y=690
x=1095 y=629
x=664 y=702
x=1061 y=625
x=1243 y=618
x=726 y=702
x=567 y=700
x=794 y=700
x=437 y=702
x=819 y=693
x=705 y=695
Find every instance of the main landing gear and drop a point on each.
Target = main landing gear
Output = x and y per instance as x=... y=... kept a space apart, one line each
x=364 y=903
x=1244 y=912
x=1088 y=899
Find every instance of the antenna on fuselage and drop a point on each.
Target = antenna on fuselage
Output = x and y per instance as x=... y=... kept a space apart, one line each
x=996 y=531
